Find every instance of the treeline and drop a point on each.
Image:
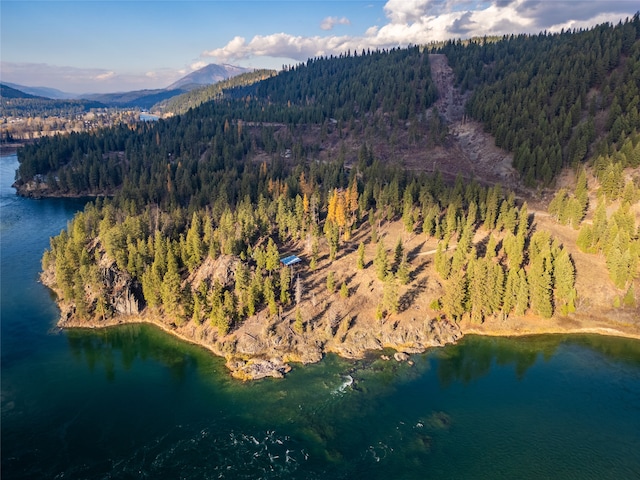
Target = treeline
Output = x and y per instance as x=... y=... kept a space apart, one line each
x=541 y=96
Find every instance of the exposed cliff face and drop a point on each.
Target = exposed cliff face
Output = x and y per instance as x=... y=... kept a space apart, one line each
x=124 y=293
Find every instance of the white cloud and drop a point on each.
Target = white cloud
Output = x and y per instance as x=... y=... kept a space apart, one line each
x=406 y=11
x=330 y=22
x=424 y=21
x=105 y=76
x=197 y=65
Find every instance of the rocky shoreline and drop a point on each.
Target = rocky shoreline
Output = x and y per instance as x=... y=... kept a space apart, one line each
x=251 y=357
x=264 y=346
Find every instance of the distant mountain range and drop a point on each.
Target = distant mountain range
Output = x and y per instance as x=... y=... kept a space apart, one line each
x=45 y=92
x=10 y=92
x=207 y=75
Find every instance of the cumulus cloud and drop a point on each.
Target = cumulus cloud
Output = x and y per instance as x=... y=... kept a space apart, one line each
x=424 y=21
x=330 y=22
x=280 y=45
x=197 y=65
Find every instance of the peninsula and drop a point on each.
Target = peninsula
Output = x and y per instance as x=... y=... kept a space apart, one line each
x=427 y=193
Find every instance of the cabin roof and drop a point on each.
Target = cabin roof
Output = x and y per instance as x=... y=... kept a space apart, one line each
x=290 y=260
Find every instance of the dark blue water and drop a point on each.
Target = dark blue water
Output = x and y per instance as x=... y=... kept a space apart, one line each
x=133 y=402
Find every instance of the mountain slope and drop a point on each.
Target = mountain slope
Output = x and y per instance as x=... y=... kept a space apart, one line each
x=46 y=92
x=208 y=75
x=7 y=92
x=136 y=98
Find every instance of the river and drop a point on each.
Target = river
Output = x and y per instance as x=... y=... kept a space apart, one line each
x=134 y=402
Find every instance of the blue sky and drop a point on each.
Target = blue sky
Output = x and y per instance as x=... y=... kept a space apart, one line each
x=86 y=46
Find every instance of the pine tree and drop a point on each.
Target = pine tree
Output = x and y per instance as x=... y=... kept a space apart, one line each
x=285 y=284
x=170 y=290
x=478 y=289
x=390 y=299
x=522 y=302
x=397 y=253
x=298 y=324
x=380 y=261
x=629 y=299
x=455 y=297
x=331 y=283
x=540 y=280
x=511 y=288
x=272 y=258
x=403 y=271
x=270 y=296
x=582 y=190
x=313 y=264
x=360 y=262
x=194 y=246
x=216 y=304
x=197 y=309
x=442 y=262
x=344 y=291
x=564 y=275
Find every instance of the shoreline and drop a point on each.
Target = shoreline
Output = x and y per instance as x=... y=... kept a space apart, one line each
x=253 y=367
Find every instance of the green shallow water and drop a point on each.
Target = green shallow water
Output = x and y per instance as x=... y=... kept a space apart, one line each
x=134 y=402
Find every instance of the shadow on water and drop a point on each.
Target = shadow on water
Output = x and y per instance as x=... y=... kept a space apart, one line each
x=474 y=356
x=120 y=347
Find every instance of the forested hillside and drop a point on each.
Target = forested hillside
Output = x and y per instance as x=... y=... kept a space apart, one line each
x=554 y=99
x=291 y=164
x=16 y=103
x=373 y=86
x=198 y=96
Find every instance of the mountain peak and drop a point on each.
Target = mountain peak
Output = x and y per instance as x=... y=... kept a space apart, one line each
x=208 y=75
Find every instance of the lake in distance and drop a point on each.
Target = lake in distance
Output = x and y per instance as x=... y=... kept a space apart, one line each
x=133 y=402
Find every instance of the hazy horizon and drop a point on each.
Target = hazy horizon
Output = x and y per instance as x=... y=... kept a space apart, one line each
x=113 y=46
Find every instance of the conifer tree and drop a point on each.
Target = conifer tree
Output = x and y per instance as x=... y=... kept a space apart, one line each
x=344 y=290
x=194 y=246
x=360 y=262
x=272 y=257
x=478 y=289
x=331 y=282
x=442 y=261
x=313 y=264
x=170 y=291
x=390 y=299
x=285 y=284
x=403 y=271
x=454 y=299
x=398 y=253
x=216 y=304
x=380 y=261
x=270 y=296
x=298 y=324
x=197 y=309
x=522 y=302
x=511 y=288
x=540 y=282
x=564 y=273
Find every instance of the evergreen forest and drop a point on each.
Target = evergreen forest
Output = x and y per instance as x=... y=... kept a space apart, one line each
x=246 y=174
